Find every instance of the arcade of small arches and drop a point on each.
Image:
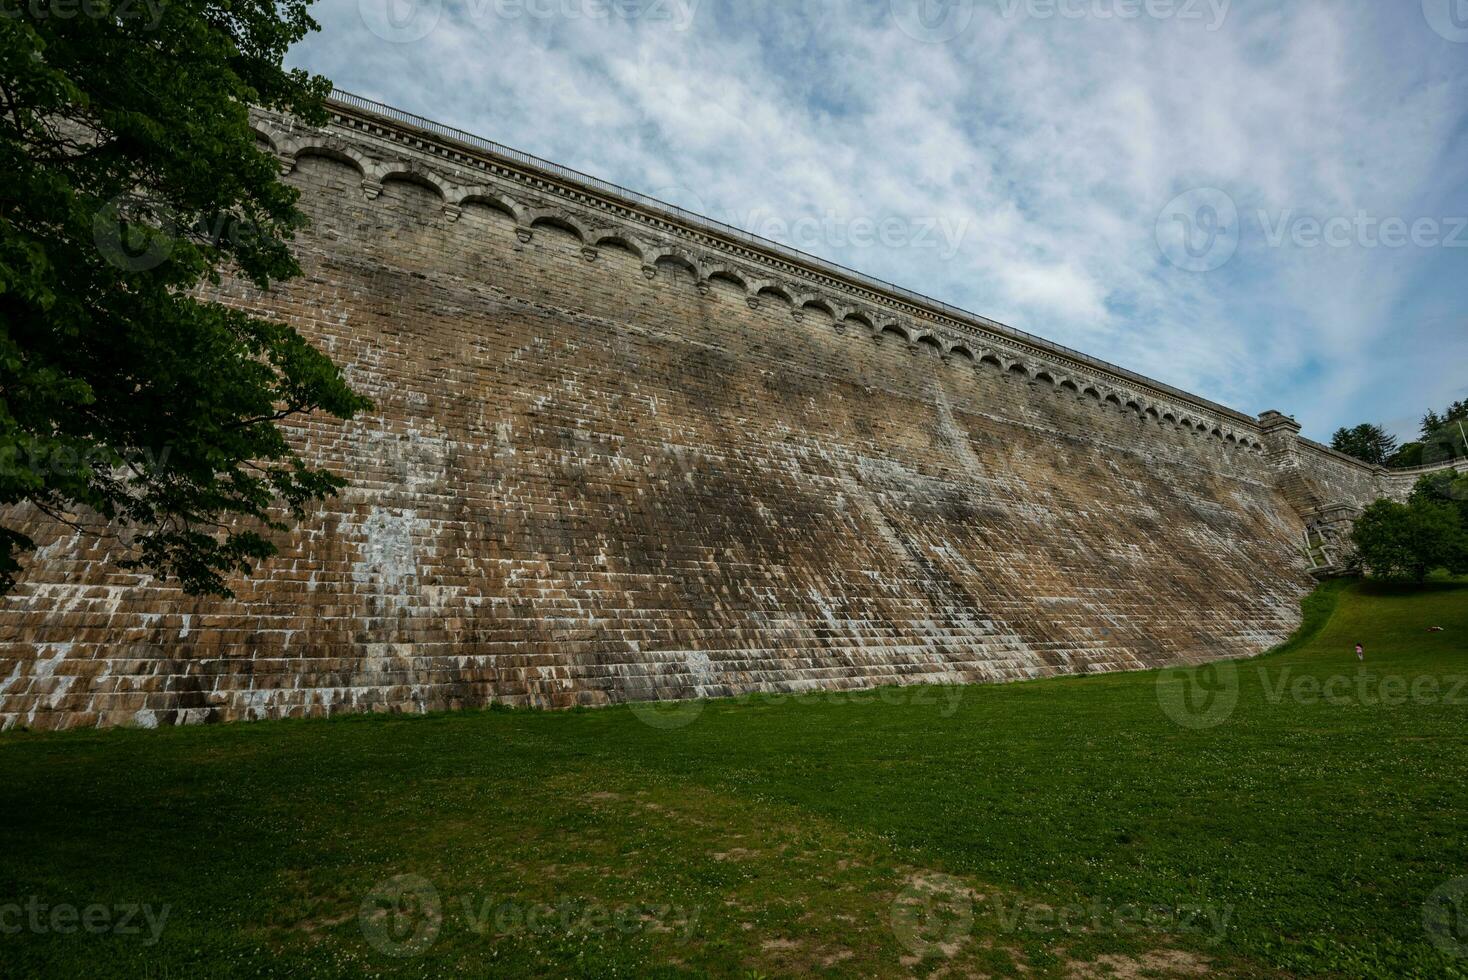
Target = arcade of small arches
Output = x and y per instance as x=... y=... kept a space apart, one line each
x=707 y=269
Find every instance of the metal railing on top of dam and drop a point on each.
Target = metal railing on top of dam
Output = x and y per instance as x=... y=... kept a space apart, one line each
x=701 y=222
x=1460 y=462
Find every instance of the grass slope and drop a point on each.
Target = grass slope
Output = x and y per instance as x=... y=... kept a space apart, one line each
x=1290 y=814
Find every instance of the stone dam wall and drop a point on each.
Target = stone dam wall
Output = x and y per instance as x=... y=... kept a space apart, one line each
x=622 y=454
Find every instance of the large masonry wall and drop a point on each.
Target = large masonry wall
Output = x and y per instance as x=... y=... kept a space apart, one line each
x=597 y=472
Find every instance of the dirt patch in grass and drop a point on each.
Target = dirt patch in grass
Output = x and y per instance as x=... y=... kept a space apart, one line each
x=1157 y=963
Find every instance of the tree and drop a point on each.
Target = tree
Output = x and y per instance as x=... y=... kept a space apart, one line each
x=1445 y=437
x=1368 y=443
x=1447 y=487
x=130 y=405
x=1407 y=454
x=1456 y=412
x=1410 y=540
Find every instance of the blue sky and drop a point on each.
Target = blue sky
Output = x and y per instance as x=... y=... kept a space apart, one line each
x=1263 y=203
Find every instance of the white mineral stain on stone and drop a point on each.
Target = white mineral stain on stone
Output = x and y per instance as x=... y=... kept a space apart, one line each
x=14 y=676
x=45 y=668
x=701 y=668
x=63 y=684
x=387 y=554
x=953 y=433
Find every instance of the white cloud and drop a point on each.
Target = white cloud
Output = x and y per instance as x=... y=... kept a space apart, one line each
x=1055 y=143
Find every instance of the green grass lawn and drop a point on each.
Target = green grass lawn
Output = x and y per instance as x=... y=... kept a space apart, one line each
x=1294 y=814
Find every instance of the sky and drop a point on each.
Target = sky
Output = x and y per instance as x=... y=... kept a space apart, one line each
x=1262 y=203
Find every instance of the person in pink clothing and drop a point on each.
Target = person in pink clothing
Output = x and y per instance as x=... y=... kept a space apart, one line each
x=1360 y=652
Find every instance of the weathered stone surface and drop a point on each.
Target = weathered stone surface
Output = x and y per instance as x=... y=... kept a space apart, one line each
x=609 y=463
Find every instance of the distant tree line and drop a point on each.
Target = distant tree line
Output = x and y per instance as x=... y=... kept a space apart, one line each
x=1443 y=437
x=1412 y=540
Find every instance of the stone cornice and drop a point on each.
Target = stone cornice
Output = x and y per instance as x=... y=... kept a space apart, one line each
x=386 y=143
